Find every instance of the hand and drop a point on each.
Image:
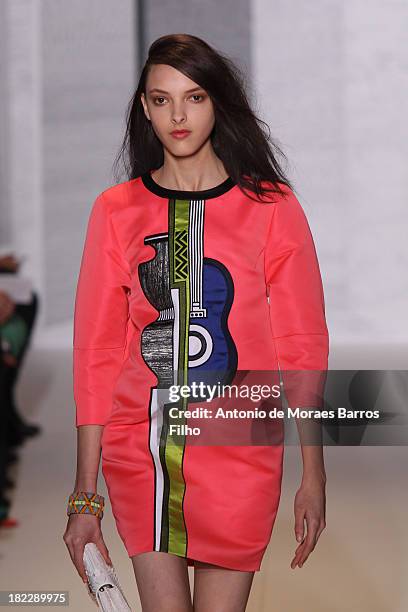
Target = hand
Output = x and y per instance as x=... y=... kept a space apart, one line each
x=6 y=307
x=81 y=529
x=310 y=504
x=9 y=359
x=9 y=262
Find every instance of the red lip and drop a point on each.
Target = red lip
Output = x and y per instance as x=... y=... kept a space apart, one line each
x=180 y=133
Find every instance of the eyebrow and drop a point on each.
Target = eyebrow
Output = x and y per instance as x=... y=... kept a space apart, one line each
x=166 y=92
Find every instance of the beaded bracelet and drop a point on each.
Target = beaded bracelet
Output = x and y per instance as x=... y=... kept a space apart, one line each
x=81 y=502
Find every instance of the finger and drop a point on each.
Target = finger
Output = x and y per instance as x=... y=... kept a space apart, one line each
x=299 y=524
x=318 y=532
x=303 y=551
x=310 y=541
x=79 y=561
x=306 y=552
x=295 y=561
x=321 y=528
x=298 y=555
x=71 y=551
x=298 y=552
x=104 y=551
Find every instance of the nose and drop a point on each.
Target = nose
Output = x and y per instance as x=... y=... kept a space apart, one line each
x=179 y=114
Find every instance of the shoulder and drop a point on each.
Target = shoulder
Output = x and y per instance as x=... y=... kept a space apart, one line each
x=271 y=192
x=115 y=196
x=277 y=192
x=285 y=200
x=287 y=215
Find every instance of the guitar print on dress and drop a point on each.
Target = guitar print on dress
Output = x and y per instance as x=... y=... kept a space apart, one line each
x=188 y=342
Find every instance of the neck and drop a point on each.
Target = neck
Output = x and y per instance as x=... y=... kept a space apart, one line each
x=203 y=171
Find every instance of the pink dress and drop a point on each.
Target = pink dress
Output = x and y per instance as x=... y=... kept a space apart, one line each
x=175 y=285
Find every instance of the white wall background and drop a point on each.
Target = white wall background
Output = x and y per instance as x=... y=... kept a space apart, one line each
x=329 y=78
x=68 y=71
x=332 y=83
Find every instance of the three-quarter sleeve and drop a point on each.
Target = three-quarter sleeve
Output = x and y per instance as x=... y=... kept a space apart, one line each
x=101 y=317
x=296 y=303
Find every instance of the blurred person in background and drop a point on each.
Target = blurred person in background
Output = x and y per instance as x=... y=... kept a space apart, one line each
x=16 y=325
x=7 y=307
x=20 y=326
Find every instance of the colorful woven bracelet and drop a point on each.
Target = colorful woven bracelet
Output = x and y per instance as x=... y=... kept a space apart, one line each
x=83 y=502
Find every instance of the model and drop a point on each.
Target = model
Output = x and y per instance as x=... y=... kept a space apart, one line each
x=201 y=262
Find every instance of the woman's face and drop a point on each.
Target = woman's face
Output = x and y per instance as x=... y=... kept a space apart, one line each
x=175 y=102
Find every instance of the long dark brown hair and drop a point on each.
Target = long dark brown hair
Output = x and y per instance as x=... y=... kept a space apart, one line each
x=248 y=153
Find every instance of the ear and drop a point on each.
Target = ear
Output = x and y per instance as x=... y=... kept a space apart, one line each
x=143 y=101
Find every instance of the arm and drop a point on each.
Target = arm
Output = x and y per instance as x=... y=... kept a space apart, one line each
x=88 y=457
x=297 y=311
x=101 y=320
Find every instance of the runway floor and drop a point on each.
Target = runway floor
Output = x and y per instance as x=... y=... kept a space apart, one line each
x=359 y=563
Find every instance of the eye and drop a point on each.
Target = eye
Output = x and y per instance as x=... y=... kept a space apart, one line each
x=159 y=98
x=198 y=96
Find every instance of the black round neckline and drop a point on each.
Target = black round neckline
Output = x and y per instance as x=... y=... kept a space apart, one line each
x=204 y=194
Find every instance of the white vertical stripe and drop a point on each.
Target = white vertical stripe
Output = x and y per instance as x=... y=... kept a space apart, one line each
x=156 y=424
x=176 y=332
x=195 y=254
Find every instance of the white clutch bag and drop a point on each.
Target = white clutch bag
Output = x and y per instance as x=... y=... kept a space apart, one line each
x=103 y=584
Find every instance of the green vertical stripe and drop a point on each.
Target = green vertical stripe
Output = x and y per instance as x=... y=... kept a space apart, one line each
x=177 y=535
